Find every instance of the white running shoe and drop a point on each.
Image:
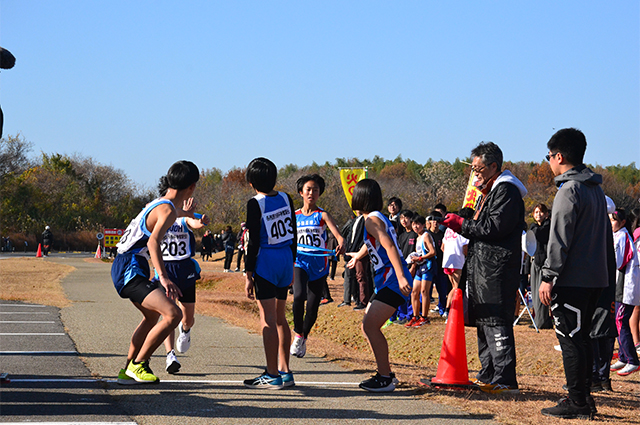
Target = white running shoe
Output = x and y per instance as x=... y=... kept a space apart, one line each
x=184 y=339
x=173 y=365
x=298 y=347
x=628 y=369
x=617 y=365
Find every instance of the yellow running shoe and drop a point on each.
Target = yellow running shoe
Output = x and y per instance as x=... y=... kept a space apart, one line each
x=142 y=373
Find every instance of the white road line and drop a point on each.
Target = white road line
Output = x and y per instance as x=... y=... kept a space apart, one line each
x=176 y=381
x=24 y=312
x=27 y=353
x=27 y=321
x=33 y=333
x=70 y=423
x=22 y=305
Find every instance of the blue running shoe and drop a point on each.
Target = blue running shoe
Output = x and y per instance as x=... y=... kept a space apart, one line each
x=287 y=379
x=265 y=381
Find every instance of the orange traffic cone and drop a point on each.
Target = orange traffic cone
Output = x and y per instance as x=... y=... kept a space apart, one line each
x=452 y=367
x=39 y=253
x=99 y=252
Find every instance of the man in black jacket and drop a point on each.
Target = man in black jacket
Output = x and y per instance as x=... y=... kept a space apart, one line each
x=493 y=266
x=47 y=241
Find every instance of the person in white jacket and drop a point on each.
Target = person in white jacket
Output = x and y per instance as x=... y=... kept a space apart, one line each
x=627 y=292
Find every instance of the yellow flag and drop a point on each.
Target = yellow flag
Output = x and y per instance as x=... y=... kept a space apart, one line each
x=472 y=194
x=349 y=178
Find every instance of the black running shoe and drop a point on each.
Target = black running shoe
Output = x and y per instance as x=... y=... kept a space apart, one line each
x=568 y=409
x=379 y=384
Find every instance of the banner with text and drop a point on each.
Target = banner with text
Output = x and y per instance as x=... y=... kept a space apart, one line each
x=349 y=178
x=472 y=194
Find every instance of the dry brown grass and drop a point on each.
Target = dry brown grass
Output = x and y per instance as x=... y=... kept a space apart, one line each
x=33 y=280
x=337 y=337
x=415 y=354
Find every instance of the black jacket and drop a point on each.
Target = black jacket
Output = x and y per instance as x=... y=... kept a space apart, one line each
x=541 y=231
x=495 y=250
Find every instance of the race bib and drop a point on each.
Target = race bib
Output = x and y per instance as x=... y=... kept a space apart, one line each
x=311 y=236
x=278 y=225
x=376 y=261
x=175 y=246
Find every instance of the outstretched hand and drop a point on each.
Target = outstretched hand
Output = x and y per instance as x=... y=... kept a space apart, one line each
x=453 y=222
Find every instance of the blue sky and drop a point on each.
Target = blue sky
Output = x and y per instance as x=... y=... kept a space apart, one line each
x=141 y=84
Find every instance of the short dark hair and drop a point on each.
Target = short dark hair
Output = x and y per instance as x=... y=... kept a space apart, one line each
x=310 y=177
x=620 y=214
x=541 y=207
x=262 y=174
x=407 y=213
x=180 y=176
x=397 y=201
x=367 y=196
x=571 y=143
x=418 y=219
x=442 y=207
x=488 y=152
x=435 y=213
x=466 y=212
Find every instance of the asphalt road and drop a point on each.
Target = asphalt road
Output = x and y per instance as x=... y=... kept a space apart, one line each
x=68 y=375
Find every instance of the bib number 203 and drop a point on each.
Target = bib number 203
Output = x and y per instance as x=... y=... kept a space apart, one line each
x=174 y=248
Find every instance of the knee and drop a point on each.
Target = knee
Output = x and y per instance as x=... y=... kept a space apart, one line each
x=174 y=316
x=367 y=327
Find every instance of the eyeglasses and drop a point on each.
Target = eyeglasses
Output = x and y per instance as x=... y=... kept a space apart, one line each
x=478 y=170
x=548 y=157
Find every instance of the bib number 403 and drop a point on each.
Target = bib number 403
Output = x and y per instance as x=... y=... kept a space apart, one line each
x=281 y=228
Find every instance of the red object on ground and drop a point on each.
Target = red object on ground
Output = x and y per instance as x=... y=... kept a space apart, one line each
x=99 y=252
x=39 y=253
x=452 y=367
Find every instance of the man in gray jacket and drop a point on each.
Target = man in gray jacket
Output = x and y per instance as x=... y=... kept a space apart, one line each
x=575 y=270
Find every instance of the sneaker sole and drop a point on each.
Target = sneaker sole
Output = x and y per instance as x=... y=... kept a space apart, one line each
x=141 y=381
x=289 y=384
x=173 y=368
x=628 y=373
x=122 y=381
x=265 y=387
x=386 y=389
x=571 y=416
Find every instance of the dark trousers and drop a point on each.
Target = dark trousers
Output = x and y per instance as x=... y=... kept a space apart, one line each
x=365 y=283
x=497 y=355
x=627 y=351
x=333 y=264
x=443 y=286
x=540 y=311
x=572 y=309
x=350 y=285
x=311 y=292
x=228 y=257
x=602 y=354
x=240 y=253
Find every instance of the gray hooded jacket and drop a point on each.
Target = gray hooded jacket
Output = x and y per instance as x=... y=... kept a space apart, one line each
x=580 y=232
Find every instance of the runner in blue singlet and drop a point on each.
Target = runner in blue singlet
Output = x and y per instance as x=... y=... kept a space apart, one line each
x=312 y=262
x=392 y=279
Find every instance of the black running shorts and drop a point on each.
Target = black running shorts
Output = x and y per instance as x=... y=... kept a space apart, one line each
x=138 y=288
x=389 y=297
x=266 y=290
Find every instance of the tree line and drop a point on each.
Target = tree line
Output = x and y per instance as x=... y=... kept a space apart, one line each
x=78 y=196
